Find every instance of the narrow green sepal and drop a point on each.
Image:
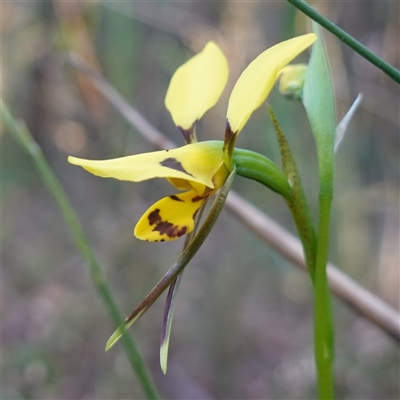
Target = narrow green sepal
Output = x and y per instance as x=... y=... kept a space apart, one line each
x=252 y=165
x=164 y=355
x=122 y=329
x=167 y=323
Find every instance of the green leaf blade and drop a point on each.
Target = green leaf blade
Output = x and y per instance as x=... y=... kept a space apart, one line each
x=318 y=100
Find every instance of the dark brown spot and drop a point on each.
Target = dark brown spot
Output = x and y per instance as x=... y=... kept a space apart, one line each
x=228 y=130
x=176 y=198
x=197 y=198
x=154 y=217
x=165 y=227
x=173 y=163
x=229 y=135
x=171 y=230
x=188 y=134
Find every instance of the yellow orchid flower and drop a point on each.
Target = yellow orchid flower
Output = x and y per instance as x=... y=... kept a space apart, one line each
x=199 y=168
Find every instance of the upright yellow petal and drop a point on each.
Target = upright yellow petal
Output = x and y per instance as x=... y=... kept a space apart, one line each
x=169 y=218
x=257 y=80
x=197 y=162
x=197 y=85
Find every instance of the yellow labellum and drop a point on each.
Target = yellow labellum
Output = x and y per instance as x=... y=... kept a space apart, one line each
x=197 y=163
x=197 y=85
x=173 y=216
x=257 y=80
x=169 y=218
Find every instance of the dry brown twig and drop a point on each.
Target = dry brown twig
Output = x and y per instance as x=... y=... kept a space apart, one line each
x=360 y=299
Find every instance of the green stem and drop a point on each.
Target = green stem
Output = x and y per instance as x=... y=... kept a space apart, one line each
x=388 y=69
x=21 y=134
x=323 y=320
x=319 y=103
x=252 y=165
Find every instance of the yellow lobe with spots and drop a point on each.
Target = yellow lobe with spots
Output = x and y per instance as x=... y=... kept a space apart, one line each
x=256 y=81
x=173 y=216
x=197 y=85
x=169 y=218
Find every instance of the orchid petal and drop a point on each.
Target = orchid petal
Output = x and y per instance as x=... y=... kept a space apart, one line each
x=181 y=184
x=197 y=162
x=184 y=184
x=196 y=86
x=169 y=218
x=257 y=80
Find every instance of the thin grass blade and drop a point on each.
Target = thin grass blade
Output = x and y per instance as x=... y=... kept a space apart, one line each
x=344 y=123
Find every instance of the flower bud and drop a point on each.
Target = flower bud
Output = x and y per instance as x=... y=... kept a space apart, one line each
x=291 y=80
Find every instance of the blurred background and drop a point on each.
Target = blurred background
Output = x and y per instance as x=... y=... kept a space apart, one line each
x=243 y=319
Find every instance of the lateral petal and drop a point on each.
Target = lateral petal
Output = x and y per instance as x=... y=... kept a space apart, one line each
x=181 y=184
x=197 y=162
x=169 y=218
x=184 y=184
x=257 y=80
x=197 y=85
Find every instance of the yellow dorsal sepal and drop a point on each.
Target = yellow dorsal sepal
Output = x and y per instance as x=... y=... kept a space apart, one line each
x=197 y=85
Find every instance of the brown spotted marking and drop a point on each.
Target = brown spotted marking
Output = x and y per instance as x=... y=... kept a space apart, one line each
x=154 y=217
x=165 y=227
x=174 y=197
x=173 y=163
x=197 y=198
